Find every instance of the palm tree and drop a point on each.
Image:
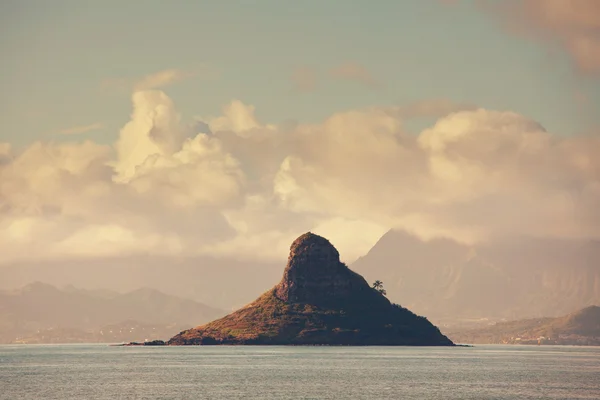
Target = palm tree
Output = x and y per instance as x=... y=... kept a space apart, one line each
x=378 y=285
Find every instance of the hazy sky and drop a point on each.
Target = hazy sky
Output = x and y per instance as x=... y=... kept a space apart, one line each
x=230 y=127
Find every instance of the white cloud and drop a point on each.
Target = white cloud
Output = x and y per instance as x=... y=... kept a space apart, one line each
x=432 y=108
x=154 y=130
x=77 y=130
x=474 y=174
x=246 y=188
x=237 y=117
x=161 y=79
x=200 y=173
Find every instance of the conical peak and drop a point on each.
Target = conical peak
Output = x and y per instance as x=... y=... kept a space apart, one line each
x=314 y=273
x=310 y=246
x=325 y=303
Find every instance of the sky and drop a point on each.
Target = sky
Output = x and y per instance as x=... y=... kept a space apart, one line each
x=229 y=128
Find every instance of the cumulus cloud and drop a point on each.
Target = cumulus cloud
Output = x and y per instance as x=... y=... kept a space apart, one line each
x=200 y=173
x=473 y=175
x=238 y=187
x=434 y=108
x=155 y=191
x=76 y=130
x=154 y=129
x=574 y=25
x=238 y=118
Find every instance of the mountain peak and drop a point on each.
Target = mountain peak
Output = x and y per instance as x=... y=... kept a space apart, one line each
x=314 y=273
x=41 y=287
x=318 y=301
x=308 y=241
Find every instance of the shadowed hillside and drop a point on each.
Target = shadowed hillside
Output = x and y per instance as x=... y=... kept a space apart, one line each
x=318 y=301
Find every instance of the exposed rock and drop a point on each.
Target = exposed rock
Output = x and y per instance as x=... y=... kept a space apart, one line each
x=318 y=301
x=315 y=275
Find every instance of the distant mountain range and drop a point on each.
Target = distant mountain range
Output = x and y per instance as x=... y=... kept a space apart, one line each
x=41 y=312
x=579 y=328
x=449 y=282
x=518 y=278
x=221 y=282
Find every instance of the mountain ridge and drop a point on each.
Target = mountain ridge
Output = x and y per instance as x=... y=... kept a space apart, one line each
x=511 y=278
x=581 y=327
x=40 y=306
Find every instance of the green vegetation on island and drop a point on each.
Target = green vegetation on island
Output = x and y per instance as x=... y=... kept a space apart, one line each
x=319 y=301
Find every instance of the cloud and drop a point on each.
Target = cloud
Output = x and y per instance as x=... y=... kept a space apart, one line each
x=154 y=191
x=161 y=79
x=354 y=72
x=158 y=79
x=237 y=117
x=76 y=130
x=234 y=186
x=473 y=175
x=432 y=108
x=154 y=129
x=573 y=25
x=5 y=152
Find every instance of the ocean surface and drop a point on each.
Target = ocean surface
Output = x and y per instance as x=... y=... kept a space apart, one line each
x=484 y=372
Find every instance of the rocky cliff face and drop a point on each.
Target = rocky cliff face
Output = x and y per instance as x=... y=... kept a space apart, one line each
x=318 y=301
x=315 y=275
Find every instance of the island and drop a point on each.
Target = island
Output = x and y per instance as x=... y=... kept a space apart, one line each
x=319 y=301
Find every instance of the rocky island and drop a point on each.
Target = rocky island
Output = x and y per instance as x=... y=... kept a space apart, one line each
x=319 y=301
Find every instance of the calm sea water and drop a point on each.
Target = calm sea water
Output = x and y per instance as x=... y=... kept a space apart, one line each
x=484 y=372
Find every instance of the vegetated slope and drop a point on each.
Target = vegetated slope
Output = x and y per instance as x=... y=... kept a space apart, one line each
x=580 y=327
x=318 y=301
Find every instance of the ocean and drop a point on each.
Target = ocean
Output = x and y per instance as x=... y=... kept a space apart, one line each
x=95 y=372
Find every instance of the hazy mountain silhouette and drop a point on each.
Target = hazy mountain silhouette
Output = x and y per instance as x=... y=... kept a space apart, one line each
x=517 y=278
x=443 y=279
x=203 y=279
x=39 y=306
x=580 y=327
